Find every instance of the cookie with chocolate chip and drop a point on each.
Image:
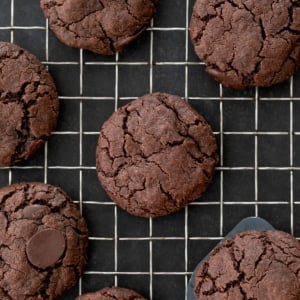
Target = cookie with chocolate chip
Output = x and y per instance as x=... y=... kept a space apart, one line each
x=155 y=155
x=103 y=27
x=113 y=293
x=262 y=265
x=43 y=242
x=28 y=104
x=247 y=43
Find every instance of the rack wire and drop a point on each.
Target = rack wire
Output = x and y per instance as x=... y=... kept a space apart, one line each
x=258 y=134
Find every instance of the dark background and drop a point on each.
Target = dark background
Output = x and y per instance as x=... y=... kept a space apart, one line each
x=258 y=132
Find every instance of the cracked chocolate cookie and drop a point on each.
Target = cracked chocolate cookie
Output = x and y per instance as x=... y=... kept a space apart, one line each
x=155 y=155
x=247 y=43
x=261 y=265
x=101 y=26
x=28 y=104
x=114 y=293
x=43 y=242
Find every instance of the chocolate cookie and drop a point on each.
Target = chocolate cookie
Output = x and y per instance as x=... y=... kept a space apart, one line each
x=43 y=242
x=114 y=293
x=104 y=27
x=262 y=265
x=28 y=104
x=155 y=155
x=247 y=43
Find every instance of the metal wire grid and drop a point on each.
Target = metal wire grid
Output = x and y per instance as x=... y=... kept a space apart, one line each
x=221 y=134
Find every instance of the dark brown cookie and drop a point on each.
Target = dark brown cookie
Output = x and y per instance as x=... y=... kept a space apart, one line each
x=28 y=104
x=155 y=155
x=114 y=293
x=261 y=265
x=247 y=42
x=43 y=242
x=101 y=26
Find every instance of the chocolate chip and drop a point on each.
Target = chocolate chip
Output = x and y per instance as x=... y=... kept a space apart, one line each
x=35 y=211
x=45 y=248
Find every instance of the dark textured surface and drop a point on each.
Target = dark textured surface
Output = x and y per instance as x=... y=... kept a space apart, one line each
x=28 y=104
x=202 y=224
x=247 y=43
x=155 y=155
x=251 y=265
x=103 y=27
x=43 y=242
x=116 y=293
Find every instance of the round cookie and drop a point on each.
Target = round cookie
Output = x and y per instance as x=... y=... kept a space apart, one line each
x=43 y=242
x=247 y=43
x=28 y=104
x=114 y=293
x=262 y=265
x=155 y=155
x=104 y=27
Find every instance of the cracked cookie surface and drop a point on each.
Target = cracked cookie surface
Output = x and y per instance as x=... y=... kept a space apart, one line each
x=247 y=43
x=253 y=265
x=155 y=155
x=101 y=26
x=43 y=242
x=28 y=104
x=114 y=293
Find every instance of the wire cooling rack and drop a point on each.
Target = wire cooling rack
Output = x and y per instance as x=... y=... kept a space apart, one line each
x=258 y=132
